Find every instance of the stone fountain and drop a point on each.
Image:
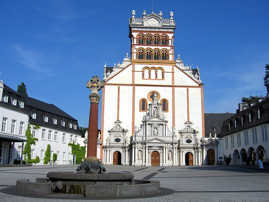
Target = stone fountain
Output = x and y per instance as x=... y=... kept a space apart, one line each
x=90 y=180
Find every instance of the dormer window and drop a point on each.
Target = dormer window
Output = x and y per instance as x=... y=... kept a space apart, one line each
x=5 y=99
x=63 y=123
x=14 y=102
x=235 y=123
x=46 y=119
x=242 y=121
x=21 y=104
x=33 y=115
x=70 y=125
x=75 y=127
x=55 y=121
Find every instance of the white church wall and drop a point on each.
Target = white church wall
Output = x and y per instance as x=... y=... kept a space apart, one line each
x=124 y=76
x=180 y=107
x=182 y=79
x=196 y=109
x=125 y=114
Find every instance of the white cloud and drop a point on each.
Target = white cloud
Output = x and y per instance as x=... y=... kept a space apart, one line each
x=32 y=60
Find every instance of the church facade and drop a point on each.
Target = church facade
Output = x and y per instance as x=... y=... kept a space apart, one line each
x=152 y=104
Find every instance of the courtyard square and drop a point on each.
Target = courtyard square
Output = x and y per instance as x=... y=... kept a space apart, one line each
x=178 y=183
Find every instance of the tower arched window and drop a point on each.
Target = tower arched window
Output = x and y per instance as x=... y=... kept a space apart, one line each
x=149 y=54
x=149 y=39
x=143 y=105
x=140 y=53
x=164 y=104
x=140 y=39
x=157 y=39
x=157 y=54
x=164 y=40
x=164 y=54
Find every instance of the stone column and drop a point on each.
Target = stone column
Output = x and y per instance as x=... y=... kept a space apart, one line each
x=94 y=85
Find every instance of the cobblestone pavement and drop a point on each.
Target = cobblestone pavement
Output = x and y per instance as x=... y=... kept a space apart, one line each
x=187 y=184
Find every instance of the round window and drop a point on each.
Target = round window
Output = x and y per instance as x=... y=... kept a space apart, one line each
x=117 y=140
x=188 y=140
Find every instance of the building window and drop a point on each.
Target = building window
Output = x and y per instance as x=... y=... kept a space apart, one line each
x=254 y=135
x=235 y=123
x=55 y=136
x=70 y=125
x=71 y=138
x=43 y=134
x=246 y=137
x=149 y=54
x=55 y=121
x=4 y=124
x=143 y=105
x=75 y=139
x=149 y=39
x=21 y=127
x=63 y=156
x=42 y=154
x=33 y=115
x=164 y=104
x=157 y=54
x=75 y=127
x=13 y=125
x=140 y=39
x=49 y=135
x=46 y=119
x=232 y=141
x=140 y=53
x=164 y=54
x=164 y=40
x=33 y=133
x=63 y=123
x=6 y=99
x=156 y=39
x=63 y=138
x=226 y=142
x=264 y=133
x=242 y=121
x=21 y=104
x=239 y=140
x=14 y=101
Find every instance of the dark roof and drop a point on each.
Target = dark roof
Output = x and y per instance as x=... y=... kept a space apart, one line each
x=215 y=120
x=46 y=107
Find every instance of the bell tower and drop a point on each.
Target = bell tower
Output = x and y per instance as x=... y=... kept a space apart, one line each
x=152 y=38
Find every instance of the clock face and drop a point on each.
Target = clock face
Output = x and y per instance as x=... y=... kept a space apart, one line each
x=117 y=140
x=189 y=141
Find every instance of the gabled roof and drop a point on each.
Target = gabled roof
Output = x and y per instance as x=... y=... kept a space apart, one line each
x=51 y=108
x=215 y=120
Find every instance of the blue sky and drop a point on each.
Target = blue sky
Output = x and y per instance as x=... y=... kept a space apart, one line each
x=55 y=46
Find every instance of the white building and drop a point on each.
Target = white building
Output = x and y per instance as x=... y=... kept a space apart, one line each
x=152 y=104
x=49 y=124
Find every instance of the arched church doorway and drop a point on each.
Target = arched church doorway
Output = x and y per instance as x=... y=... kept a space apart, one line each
x=189 y=159
x=211 y=157
x=117 y=158
x=155 y=158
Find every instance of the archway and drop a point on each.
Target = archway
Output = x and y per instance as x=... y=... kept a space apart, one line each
x=155 y=158
x=211 y=157
x=236 y=158
x=251 y=156
x=116 y=158
x=189 y=159
x=244 y=156
x=261 y=153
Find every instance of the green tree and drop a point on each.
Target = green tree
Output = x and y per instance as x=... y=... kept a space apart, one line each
x=30 y=140
x=21 y=89
x=78 y=151
x=54 y=157
x=47 y=154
